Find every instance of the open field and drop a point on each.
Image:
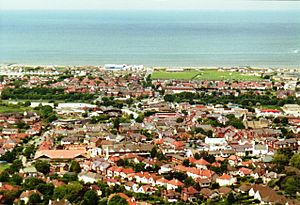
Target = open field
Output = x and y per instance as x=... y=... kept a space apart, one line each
x=204 y=75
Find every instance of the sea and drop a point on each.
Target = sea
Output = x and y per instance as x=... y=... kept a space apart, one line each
x=151 y=38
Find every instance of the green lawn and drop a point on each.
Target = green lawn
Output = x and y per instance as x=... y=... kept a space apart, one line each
x=3 y=167
x=204 y=75
x=185 y=75
x=12 y=108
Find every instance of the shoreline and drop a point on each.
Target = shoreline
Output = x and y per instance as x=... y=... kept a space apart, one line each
x=147 y=66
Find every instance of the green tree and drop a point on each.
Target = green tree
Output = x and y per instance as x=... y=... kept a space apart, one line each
x=32 y=183
x=295 y=160
x=46 y=189
x=75 y=167
x=117 y=200
x=15 y=179
x=42 y=166
x=197 y=156
x=291 y=185
x=90 y=198
x=179 y=120
x=153 y=152
x=186 y=163
x=71 y=191
x=139 y=167
x=34 y=199
x=230 y=199
x=4 y=176
x=29 y=151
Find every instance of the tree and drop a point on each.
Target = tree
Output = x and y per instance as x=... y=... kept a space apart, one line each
x=153 y=152
x=197 y=156
x=4 y=176
x=179 y=120
x=70 y=191
x=90 y=198
x=117 y=200
x=282 y=156
x=291 y=185
x=29 y=151
x=139 y=167
x=46 y=189
x=27 y=103
x=230 y=199
x=16 y=166
x=32 y=183
x=34 y=199
x=42 y=166
x=295 y=160
x=75 y=167
x=186 y=163
x=15 y=179
x=70 y=177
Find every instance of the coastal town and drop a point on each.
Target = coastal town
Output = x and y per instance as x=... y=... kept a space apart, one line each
x=121 y=134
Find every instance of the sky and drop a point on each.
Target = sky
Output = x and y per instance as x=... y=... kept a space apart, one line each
x=149 y=4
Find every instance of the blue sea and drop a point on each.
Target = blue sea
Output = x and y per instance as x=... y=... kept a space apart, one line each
x=151 y=38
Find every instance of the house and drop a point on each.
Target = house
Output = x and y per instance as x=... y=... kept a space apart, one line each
x=59 y=202
x=162 y=182
x=269 y=176
x=225 y=180
x=208 y=193
x=174 y=184
x=201 y=163
x=203 y=182
x=145 y=189
x=189 y=194
x=60 y=155
x=291 y=110
x=89 y=177
x=266 y=195
x=268 y=113
x=223 y=191
x=29 y=171
x=26 y=195
x=170 y=196
x=244 y=172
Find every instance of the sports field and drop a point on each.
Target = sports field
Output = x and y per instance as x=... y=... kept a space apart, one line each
x=204 y=75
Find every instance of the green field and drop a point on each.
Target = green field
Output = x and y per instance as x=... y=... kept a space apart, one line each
x=8 y=108
x=204 y=75
x=3 y=167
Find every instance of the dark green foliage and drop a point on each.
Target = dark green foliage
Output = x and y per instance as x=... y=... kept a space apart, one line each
x=34 y=199
x=42 y=166
x=117 y=200
x=4 y=176
x=15 y=179
x=44 y=94
x=248 y=99
x=71 y=191
x=90 y=198
x=186 y=163
x=32 y=183
x=75 y=167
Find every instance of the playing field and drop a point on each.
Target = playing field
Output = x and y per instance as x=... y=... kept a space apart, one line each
x=204 y=75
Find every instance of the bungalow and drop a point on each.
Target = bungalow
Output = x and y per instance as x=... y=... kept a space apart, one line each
x=266 y=195
x=189 y=194
x=226 y=180
x=170 y=196
x=174 y=184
